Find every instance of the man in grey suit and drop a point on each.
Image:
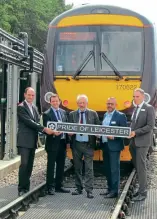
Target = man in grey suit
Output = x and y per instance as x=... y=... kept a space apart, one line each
x=143 y=122
x=83 y=145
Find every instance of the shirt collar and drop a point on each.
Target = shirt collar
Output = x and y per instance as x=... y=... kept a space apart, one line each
x=140 y=105
x=108 y=113
x=29 y=104
x=82 y=111
x=54 y=109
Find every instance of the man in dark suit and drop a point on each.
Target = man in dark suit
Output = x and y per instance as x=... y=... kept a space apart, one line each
x=143 y=122
x=82 y=145
x=55 y=147
x=28 y=128
x=112 y=147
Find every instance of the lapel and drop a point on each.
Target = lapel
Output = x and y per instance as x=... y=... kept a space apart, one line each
x=35 y=113
x=87 y=116
x=113 y=118
x=28 y=110
x=52 y=115
x=62 y=115
x=76 y=118
x=139 y=115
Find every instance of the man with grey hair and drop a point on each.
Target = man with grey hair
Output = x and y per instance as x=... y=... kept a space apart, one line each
x=83 y=145
x=143 y=122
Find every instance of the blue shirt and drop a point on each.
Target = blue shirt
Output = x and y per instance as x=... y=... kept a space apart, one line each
x=59 y=119
x=81 y=137
x=106 y=122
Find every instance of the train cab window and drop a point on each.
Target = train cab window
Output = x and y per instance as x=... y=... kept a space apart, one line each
x=72 y=50
x=124 y=50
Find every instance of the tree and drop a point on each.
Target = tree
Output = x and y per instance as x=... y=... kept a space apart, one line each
x=31 y=16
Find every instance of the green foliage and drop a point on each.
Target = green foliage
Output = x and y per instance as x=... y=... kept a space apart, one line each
x=31 y=16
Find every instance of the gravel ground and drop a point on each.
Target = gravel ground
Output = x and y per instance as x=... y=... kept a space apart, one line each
x=152 y=171
x=38 y=175
x=39 y=171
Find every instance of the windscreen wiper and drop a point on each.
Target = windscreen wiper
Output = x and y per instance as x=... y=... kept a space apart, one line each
x=102 y=54
x=84 y=63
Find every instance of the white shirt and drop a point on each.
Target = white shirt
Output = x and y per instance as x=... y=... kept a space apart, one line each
x=30 y=107
x=139 y=109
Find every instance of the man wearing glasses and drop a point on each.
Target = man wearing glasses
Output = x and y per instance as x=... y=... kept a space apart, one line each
x=112 y=147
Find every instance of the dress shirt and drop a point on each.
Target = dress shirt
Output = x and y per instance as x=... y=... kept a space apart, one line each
x=139 y=109
x=30 y=107
x=59 y=119
x=106 y=122
x=82 y=138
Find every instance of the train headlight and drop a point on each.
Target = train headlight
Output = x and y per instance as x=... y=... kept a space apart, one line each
x=65 y=102
x=127 y=104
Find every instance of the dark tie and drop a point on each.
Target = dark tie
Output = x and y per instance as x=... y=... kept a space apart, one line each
x=58 y=115
x=59 y=119
x=134 y=116
x=81 y=120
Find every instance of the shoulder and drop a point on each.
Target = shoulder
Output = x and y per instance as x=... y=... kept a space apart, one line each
x=20 y=104
x=120 y=113
x=62 y=111
x=146 y=105
x=73 y=112
x=46 y=112
x=91 y=111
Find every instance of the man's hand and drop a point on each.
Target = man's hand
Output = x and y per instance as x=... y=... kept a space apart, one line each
x=132 y=134
x=70 y=134
x=68 y=146
x=110 y=137
x=48 y=131
x=57 y=133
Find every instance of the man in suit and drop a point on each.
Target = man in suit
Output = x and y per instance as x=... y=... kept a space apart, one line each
x=55 y=147
x=27 y=136
x=83 y=145
x=112 y=147
x=143 y=122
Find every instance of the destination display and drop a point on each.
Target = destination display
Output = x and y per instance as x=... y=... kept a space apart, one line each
x=77 y=36
x=88 y=129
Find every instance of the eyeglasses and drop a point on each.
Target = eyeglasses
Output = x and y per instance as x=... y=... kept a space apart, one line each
x=110 y=104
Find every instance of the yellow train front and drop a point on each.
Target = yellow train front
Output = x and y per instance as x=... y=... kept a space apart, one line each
x=100 y=51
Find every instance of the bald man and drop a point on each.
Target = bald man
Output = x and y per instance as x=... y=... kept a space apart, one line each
x=112 y=147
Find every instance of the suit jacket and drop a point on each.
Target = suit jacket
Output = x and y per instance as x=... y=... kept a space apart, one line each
x=118 y=119
x=143 y=127
x=91 y=118
x=28 y=126
x=52 y=141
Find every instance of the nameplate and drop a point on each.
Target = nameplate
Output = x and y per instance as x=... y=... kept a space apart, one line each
x=88 y=129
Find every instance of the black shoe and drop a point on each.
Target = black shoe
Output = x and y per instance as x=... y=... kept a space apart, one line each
x=139 y=198
x=77 y=192
x=136 y=194
x=21 y=193
x=62 y=190
x=111 y=195
x=105 y=193
x=51 y=191
x=90 y=195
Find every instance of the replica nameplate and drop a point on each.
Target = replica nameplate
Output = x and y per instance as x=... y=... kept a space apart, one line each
x=88 y=129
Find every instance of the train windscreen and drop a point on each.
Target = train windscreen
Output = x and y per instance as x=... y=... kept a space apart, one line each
x=83 y=47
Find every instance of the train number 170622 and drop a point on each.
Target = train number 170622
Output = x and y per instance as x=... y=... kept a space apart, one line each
x=126 y=87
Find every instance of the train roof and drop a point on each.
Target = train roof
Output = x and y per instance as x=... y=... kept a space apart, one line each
x=144 y=15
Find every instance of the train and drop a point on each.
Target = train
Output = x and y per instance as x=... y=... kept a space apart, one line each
x=101 y=51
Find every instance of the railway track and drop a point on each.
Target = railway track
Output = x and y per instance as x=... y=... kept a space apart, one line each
x=22 y=204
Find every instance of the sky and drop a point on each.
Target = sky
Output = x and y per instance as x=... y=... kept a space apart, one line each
x=145 y=7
